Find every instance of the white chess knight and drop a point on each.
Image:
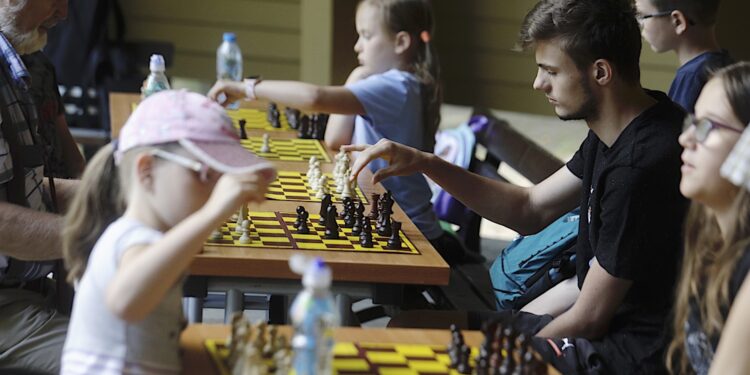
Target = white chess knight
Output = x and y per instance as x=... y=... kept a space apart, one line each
x=346 y=190
x=265 y=147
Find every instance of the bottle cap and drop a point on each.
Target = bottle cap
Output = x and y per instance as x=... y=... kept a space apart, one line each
x=157 y=63
x=316 y=274
x=230 y=37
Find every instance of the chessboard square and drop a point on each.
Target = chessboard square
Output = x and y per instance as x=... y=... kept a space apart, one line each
x=309 y=236
x=341 y=241
x=350 y=364
x=386 y=358
x=312 y=246
x=412 y=351
x=443 y=358
x=345 y=349
x=270 y=231
x=261 y=214
x=396 y=371
x=429 y=366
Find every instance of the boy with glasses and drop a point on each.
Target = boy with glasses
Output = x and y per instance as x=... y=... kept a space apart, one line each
x=688 y=28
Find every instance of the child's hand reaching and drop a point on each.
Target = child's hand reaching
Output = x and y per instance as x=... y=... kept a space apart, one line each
x=228 y=91
x=233 y=190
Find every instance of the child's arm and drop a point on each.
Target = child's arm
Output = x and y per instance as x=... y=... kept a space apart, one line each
x=341 y=127
x=731 y=357
x=303 y=96
x=146 y=273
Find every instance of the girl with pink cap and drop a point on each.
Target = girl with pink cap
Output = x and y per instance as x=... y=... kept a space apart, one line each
x=145 y=206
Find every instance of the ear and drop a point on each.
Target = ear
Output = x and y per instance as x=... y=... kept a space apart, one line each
x=403 y=42
x=602 y=72
x=144 y=168
x=679 y=22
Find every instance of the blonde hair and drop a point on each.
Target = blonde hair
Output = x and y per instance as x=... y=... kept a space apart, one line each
x=710 y=256
x=416 y=17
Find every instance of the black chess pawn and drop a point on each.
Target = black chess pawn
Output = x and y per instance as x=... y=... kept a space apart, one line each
x=324 y=204
x=508 y=364
x=454 y=349
x=365 y=237
x=304 y=127
x=300 y=210
x=243 y=131
x=332 y=227
x=386 y=228
x=375 y=199
x=346 y=202
x=275 y=119
x=303 y=228
x=292 y=117
x=394 y=242
x=463 y=362
x=270 y=112
x=349 y=215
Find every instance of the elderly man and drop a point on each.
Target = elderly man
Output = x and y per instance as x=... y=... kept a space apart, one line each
x=34 y=141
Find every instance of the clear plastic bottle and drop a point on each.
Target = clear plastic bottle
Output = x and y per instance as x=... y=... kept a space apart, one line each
x=156 y=80
x=229 y=61
x=313 y=315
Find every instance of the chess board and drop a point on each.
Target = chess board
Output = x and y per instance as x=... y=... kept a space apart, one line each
x=369 y=358
x=293 y=186
x=288 y=149
x=257 y=119
x=275 y=230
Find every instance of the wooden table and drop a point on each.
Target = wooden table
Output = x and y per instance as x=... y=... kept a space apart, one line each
x=196 y=359
x=357 y=275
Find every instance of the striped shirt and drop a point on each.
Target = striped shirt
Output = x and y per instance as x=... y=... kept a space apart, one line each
x=17 y=107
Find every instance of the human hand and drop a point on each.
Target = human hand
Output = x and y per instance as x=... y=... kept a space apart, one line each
x=402 y=160
x=229 y=91
x=233 y=190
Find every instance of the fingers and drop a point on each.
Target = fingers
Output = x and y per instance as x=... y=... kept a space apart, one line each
x=357 y=148
x=382 y=174
x=217 y=88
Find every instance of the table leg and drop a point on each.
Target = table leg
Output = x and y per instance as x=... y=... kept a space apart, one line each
x=235 y=303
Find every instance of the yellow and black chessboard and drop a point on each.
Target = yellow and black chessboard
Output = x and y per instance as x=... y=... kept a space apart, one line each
x=257 y=119
x=287 y=149
x=293 y=186
x=370 y=358
x=275 y=230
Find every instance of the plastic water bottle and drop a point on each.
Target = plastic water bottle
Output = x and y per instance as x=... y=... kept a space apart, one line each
x=313 y=315
x=229 y=61
x=156 y=80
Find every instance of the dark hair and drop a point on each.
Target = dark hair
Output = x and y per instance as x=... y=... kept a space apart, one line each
x=588 y=30
x=710 y=257
x=702 y=12
x=416 y=17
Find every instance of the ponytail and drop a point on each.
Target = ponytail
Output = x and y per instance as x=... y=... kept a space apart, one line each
x=96 y=204
x=416 y=18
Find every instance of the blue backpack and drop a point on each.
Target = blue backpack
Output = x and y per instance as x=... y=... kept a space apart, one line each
x=533 y=264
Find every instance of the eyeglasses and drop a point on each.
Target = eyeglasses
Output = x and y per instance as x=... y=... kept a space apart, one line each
x=202 y=170
x=643 y=17
x=703 y=127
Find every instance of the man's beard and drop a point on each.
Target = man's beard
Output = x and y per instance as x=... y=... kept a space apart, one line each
x=24 y=43
x=588 y=110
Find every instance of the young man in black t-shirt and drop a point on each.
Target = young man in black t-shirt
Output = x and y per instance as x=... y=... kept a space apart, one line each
x=625 y=178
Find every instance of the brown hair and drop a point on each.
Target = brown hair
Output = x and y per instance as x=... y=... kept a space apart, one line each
x=416 y=17
x=702 y=12
x=710 y=257
x=98 y=201
x=588 y=30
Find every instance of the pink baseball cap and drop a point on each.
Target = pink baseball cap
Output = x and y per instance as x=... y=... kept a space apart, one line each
x=198 y=124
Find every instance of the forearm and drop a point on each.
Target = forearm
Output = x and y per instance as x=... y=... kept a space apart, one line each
x=730 y=355
x=339 y=131
x=145 y=277
x=572 y=324
x=498 y=201
x=301 y=95
x=64 y=191
x=29 y=234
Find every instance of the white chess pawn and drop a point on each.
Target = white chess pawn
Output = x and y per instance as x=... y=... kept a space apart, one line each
x=265 y=147
x=245 y=230
x=313 y=160
x=216 y=234
x=323 y=187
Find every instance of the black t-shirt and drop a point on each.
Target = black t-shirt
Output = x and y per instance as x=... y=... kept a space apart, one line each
x=699 y=348
x=631 y=219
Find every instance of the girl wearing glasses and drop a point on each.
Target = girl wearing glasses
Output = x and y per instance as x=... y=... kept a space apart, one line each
x=717 y=234
x=144 y=208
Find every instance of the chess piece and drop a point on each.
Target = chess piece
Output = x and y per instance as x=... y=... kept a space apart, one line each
x=508 y=363
x=292 y=117
x=365 y=237
x=463 y=366
x=375 y=199
x=454 y=348
x=245 y=230
x=241 y=215
x=243 y=131
x=300 y=210
x=282 y=356
x=275 y=119
x=332 y=227
x=325 y=202
x=394 y=242
x=216 y=234
x=349 y=215
x=359 y=214
x=347 y=202
x=346 y=192
x=265 y=147
x=272 y=107
x=322 y=187
x=303 y=228
x=304 y=127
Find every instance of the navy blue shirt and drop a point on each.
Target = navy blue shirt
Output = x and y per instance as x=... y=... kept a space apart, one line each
x=691 y=77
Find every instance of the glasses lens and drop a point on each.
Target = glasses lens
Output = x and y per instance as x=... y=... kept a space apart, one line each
x=702 y=128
